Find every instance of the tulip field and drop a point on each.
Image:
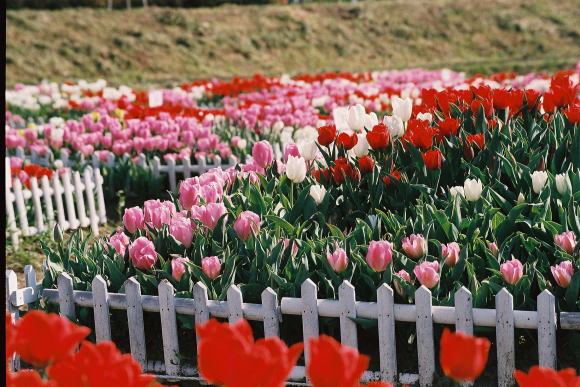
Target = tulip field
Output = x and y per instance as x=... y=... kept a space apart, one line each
x=422 y=180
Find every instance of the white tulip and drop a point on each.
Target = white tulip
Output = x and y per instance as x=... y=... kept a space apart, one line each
x=395 y=126
x=242 y=144
x=371 y=120
x=356 y=117
x=472 y=189
x=562 y=183
x=457 y=190
x=425 y=117
x=402 y=108
x=521 y=198
x=317 y=192
x=539 y=179
x=58 y=164
x=296 y=169
x=362 y=146
x=339 y=116
x=56 y=134
x=278 y=126
x=308 y=149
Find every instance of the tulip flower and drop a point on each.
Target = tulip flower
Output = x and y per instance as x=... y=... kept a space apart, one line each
x=331 y=364
x=378 y=138
x=395 y=126
x=178 y=267
x=296 y=169
x=142 y=253
x=521 y=198
x=356 y=117
x=291 y=150
x=427 y=273
x=181 y=229
x=211 y=267
x=493 y=248
x=337 y=260
x=540 y=376
x=472 y=189
x=307 y=149
x=366 y=164
x=405 y=277
x=119 y=241
x=450 y=252
x=262 y=153
x=456 y=190
x=317 y=192
x=362 y=146
x=539 y=179
x=563 y=273
x=326 y=134
x=463 y=357
x=379 y=255
x=567 y=241
x=512 y=271
x=425 y=117
x=414 y=246
x=248 y=223
x=133 y=219
x=432 y=159
x=562 y=183
x=402 y=108
x=347 y=141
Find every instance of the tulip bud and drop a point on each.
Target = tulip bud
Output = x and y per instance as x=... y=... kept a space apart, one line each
x=402 y=108
x=379 y=255
x=456 y=190
x=414 y=246
x=427 y=273
x=563 y=273
x=296 y=169
x=521 y=198
x=566 y=241
x=539 y=179
x=450 y=252
x=494 y=249
x=337 y=260
x=178 y=268
x=468 y=152
x=512 y=271
x=210 y=266
x=57 y=234
x=317 y=192
x=562 y=183
x=472 y=189
x=405 y=277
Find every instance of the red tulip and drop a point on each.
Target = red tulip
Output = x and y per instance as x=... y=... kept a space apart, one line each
x=348 y=141
x=394 y=175
x=432 y=159
x=378 y=138
x=366 y=164
x=27 y=378
x=547 y=377
x=478 y=139
x=47 y=338
x=326 y=134
x=463 y=357
x=334 y=365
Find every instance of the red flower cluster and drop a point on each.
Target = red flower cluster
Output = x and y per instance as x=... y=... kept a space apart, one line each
x=228 y=356
x=29 y=171
x=48 y=340
x=343 y=169
x=561 y=93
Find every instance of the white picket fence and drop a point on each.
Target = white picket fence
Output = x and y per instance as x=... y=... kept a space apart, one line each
x=174 y=170
x=83 y=204
x=504 y=318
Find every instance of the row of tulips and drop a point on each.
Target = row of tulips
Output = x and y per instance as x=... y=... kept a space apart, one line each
x=48 y=341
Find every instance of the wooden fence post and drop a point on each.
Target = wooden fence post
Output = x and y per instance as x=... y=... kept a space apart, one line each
x=235 y=302
x=504 y=305
x=101 y=309
x=386 y=328
x=270 y=314
x=169 y=327
x=547 y=329
x=425 y=342
x=66 y=296
x=135 y=321
x=309 y=296
x=347 y=300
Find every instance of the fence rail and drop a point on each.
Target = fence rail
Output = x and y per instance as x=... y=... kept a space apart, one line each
x=171 y=168
x=504 y=318
x=83 y=204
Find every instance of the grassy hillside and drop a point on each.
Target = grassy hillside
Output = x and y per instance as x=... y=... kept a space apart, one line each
x=164 y=45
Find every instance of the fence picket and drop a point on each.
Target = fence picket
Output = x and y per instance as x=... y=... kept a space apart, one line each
x=11 y=225
x=135 y=321
x=46 y=194
x=19 y=198
x=100 y=196
x=308 y=293
x=425 y=343
x=504 y=305
x=169 y=327
x=171 y=173
x=68 y=195
x=79 y=188
x=89 y=189
x=186 y=168
x=155 y=166
x=386 y=328
x=270 y=313
x=200 y=306
x=201 y=165
x=66 y=296
x=235 y=302
x=101 y=309
x=547 y=329
x=347 y=299
x=36 y=204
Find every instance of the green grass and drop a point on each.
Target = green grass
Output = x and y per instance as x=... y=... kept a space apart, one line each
x=164 y=46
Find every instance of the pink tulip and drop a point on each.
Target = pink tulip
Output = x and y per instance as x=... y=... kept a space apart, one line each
x=405 y=277
x=512 y=271
x=211 y=214
x=248 y=223
x=414 y=246
x=567 y=241
x=286 y=243
x=451 y=253
x=119 y=241
x=142 y=253
x=291 y=150
x=133 y=219
x=563 y=273
x=494 y=249
x=379 y=255
x=211 y=267
x=262 y=153
x=158 y=213
x=189 y=192
x=427 y=273
x=178 y=268
x=181 y=229
x=337 y=260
